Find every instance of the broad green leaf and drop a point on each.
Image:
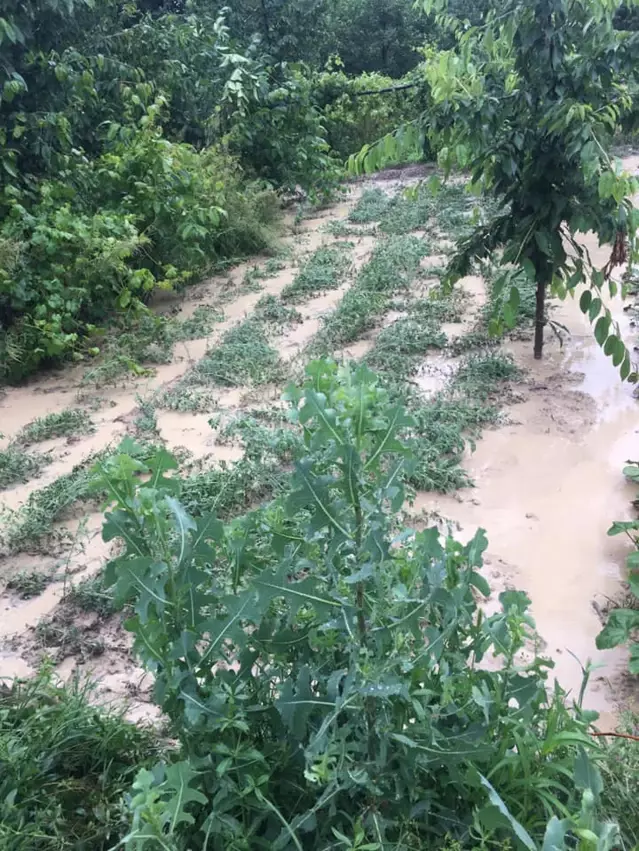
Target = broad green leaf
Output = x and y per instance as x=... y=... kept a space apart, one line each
x=607 y=181
x=610 y=345
x=183 y=525
x=619 y=352
x=521 y=834
x=601 y=329
x=587 y=775
x=305 y=593
x=313 y=492
x=593 y=310
x=555 y=835
x=619 y=628
x=179 y=777
x=386 y=439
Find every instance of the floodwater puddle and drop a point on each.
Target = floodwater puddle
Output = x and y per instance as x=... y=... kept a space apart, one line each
x=548 y=484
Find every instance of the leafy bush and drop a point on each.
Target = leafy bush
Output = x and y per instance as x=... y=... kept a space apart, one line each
x=622 y=626
x=353 y=119
x=148 y=213
x=331 y=692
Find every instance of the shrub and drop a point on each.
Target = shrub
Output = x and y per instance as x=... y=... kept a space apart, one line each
x=148 y=213
x=331 y=692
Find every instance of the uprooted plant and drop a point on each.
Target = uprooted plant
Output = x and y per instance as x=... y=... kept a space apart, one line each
x=333 y=692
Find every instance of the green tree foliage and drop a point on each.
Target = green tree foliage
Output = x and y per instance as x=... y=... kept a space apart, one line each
x=528 y=103
x=134 y=147
x=321 y=667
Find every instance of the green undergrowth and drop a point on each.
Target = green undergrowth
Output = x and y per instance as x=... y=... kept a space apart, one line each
x=131 y=348
x=400 y=348
x=201 y=323
x=269 y=445
x=471 y=399
x=454 y=418
x=242 y=357
x=29 y=583
x=620 y=772
x=66 y=766
x=324 y=270
x=390 y=270
x=32 y=526
x=270 y=310
x=18 y=466
x=69 y=423
x=448 y=213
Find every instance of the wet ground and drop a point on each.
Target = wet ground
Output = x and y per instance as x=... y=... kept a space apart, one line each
x=548 y=481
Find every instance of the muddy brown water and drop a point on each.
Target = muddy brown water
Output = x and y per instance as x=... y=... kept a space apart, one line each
x=548 y=481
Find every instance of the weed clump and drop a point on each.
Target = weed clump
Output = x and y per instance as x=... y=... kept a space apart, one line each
x=323 y=271
x=18 y=466
x=69 y=423
x=65 y=767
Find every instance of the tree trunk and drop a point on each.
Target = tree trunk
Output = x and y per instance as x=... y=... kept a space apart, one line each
x=540 y=318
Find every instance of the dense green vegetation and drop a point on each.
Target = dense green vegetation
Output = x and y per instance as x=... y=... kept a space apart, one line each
x=140 y=146
x=328 y=677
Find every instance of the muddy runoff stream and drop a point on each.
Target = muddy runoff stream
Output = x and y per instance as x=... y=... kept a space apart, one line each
x=548 y=481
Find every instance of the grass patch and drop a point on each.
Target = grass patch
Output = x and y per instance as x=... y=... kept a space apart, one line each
x=451 y=210
x=69 y=423
x=399 y=349
x=131 y=350
x=29 y=583
x=270 y=310
x=90 y=595
x=31 y=526
x=620 y=772
x=323 y=271
x=34 y=520
x=456 y=417
x=204 y=319
x=185 y=398
x=390 y=270
x=371 y=206
x=65 y=767
x=243 y=357
x=146 y=421
x=18 y=466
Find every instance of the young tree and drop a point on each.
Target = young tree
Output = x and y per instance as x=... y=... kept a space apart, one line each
x=528 y=104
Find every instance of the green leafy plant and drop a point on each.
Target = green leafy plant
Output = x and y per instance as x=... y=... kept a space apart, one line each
x=17 y=466
x=337 y=694
x=622 y=626
x=67 y=423
x=324 y=270
x=65 y=766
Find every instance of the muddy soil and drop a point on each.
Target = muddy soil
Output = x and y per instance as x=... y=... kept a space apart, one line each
x=548 y=481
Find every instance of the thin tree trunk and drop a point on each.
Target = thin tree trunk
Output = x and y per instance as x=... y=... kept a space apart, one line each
x=540 y=319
